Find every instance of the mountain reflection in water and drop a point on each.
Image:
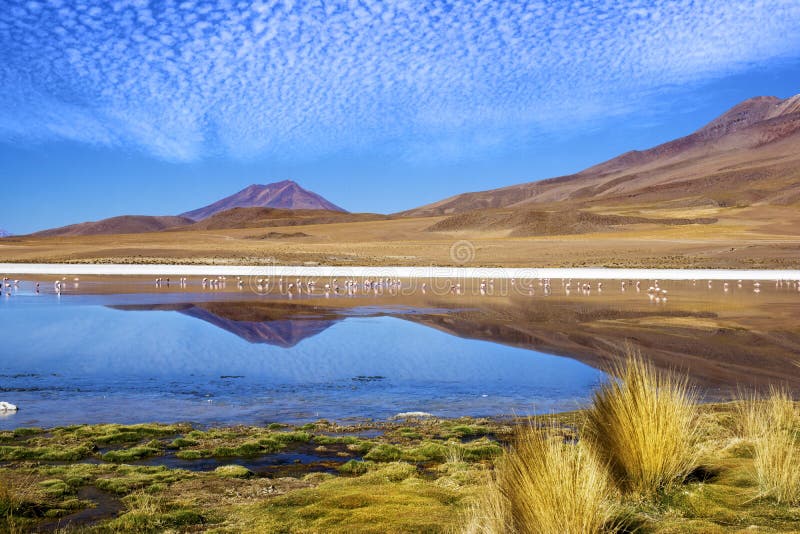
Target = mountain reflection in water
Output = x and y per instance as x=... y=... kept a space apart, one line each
x=750 y=344
x=119 y=354
x=279 y=325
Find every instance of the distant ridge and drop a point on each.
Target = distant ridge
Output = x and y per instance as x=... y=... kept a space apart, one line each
x=4 y=233
x=228 y=219
x=124 y=224
x=285 y=195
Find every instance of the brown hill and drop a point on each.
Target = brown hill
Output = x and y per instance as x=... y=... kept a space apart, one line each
x=230 y=219
x=124 y=224
x=266 y=217
x=749 y=155
x=285 y=195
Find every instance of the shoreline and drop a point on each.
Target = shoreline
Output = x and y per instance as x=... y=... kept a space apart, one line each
x=592 y=273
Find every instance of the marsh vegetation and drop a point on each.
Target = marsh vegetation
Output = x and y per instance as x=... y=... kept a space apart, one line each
x=645 y=456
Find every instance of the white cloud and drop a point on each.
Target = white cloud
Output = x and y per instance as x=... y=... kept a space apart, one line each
x=185 y=79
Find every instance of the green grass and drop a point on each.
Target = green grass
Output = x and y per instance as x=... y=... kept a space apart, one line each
x=391 y=498
x=126 y=479
x=160 y=498
x=48 y=453
x=147 y=513
x=354 y=467
x=180 y=443
x=192 y=455
x=129 y=455
x=384 y=453
x=233 y=471
x=416 y=476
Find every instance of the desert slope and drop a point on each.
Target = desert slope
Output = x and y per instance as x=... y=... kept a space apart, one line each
x=748 y=155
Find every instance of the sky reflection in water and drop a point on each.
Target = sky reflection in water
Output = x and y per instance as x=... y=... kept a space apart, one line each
x=76 y=361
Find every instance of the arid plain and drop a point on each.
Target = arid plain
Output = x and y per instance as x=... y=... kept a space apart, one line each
x=752 y=237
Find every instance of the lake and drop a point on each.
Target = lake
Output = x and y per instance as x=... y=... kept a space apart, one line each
x=126 y=350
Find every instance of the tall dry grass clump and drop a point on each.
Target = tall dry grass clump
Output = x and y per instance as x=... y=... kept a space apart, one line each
x=546 y=485
x=490 y=514
x=756 y=415
x=771 y=425
x=642 y=424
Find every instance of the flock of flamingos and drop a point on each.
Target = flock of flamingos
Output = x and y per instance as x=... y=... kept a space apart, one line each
x=392 y=286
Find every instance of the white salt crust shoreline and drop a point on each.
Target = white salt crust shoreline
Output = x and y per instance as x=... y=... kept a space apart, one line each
x=60 y=269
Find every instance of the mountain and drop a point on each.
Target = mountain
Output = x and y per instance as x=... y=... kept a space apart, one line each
x=286 y=195
x=124 y=224
x=750 y=155
x=4 y=233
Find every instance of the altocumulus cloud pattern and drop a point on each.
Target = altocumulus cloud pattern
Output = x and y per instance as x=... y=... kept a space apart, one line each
x=182 y=80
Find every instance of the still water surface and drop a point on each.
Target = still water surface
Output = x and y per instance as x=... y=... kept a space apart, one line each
x=78 y=360
x=126 y=353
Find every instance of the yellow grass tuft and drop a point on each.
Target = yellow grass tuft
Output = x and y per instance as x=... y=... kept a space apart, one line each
x=490 y=514
x=642 y=424
x=777 y=464
x=546 y=485
x=771 y=425
x=756 y=415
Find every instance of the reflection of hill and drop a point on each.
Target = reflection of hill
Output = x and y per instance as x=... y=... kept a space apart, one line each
x=274 y=323
x=716 y=351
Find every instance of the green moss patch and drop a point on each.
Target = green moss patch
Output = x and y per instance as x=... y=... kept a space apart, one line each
x=233 y=471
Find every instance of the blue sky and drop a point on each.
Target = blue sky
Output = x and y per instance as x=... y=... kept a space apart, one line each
x=160 y=107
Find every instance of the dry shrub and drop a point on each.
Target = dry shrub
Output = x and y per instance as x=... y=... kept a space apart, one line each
x=643 y=425
x=20 y=497
x=544 y=485
x=490 y=514
x=770 y=424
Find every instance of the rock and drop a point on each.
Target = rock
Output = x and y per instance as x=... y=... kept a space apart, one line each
x=7 y=407
x=233 y=471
